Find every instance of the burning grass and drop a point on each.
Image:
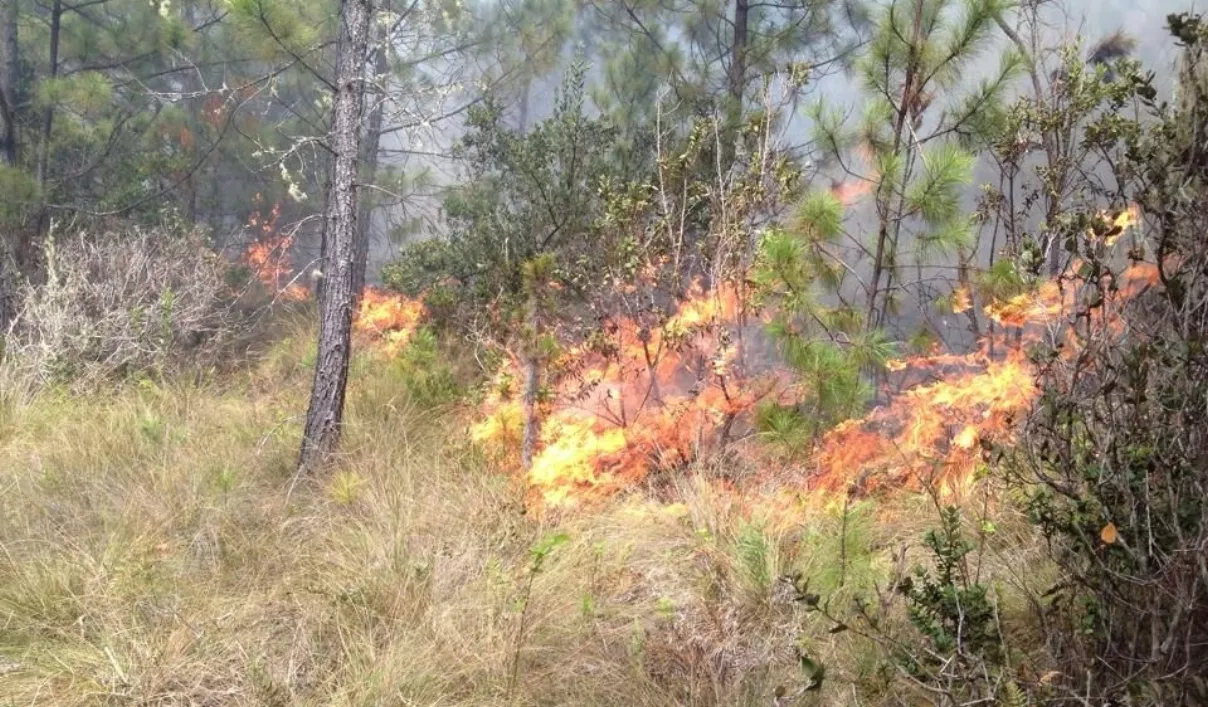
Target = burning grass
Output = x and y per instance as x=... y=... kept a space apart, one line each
x=386 y=321
x=641 y=399
x=658 y=398
x=155 y=550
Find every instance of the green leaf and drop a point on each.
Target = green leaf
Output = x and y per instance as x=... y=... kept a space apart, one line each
x=814 y=671
x=545 y=546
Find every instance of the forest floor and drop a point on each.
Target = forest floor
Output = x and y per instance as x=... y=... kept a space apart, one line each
x=156 y=549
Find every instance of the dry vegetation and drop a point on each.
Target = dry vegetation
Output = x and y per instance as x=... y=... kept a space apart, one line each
x=119 y=301
x=156 y=551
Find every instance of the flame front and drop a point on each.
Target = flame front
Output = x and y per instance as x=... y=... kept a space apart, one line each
x=655 y=401
x=387 y=319
x=667 y=395
x=935 y=434
x=931 y=434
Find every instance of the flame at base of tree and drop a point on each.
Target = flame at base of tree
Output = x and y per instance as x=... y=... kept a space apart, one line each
x=384 y=320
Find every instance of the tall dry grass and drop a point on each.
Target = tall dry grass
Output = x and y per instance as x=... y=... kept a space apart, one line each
x=155 y=549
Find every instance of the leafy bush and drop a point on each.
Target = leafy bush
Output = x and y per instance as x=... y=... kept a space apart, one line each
x=953 y=611
x=1115 y=468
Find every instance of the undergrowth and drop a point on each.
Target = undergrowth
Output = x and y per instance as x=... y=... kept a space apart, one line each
x=157 y=549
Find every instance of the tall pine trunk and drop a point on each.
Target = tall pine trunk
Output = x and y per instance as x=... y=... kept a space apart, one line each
x=373 y=139
x=48 y=113
x=324 y=418
x=10 y=247
x=736 y=84
x=10 y=75
x=31 y=244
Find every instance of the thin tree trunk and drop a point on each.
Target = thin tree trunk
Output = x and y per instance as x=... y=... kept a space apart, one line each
x=532 y=385
x=324 y=418
x=525 y=97
x=32 y=240
x=907 y=97
x=10 y=76
x=48 y=114
x=737 y=81
x=369 y=163
x=10 y=265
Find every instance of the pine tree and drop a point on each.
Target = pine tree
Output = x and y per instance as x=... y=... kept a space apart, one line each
x=711 y=57
x=917 y=139
x=325 y=416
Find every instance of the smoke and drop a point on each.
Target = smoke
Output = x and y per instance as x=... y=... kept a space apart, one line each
x=1114 y=26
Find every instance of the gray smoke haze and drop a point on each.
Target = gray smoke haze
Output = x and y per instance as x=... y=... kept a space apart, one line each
x=1085 y=20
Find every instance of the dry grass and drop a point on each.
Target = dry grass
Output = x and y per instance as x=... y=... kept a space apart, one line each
x=154 y=550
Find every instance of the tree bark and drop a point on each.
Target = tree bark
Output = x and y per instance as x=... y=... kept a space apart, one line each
x=10 y=243
x=883 y=236
x=29 y=251
x=532 y=385
x=324 y=418
x=373 y=139
x=526 y=93
x=737 y=81
x=10 y=74
x=48 y=114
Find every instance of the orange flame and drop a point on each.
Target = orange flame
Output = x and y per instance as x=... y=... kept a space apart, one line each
x=933 y=434
x=657 y=398
x=387 y=318
x=1117 y=225
x=850 y=192
x=268 y=257
x=652 y=401
x=962 y=300
x=930 y=434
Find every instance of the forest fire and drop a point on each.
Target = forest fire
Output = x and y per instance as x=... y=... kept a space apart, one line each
x=658 y=398
x=935 y=434
x=268 y=257
x=649 y=399
x=384 y=319
x=930 y=435
x=387 y=318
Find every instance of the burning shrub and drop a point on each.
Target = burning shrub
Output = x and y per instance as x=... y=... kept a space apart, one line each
x=1115 y=465
x=426 y=371
x=268 y=260
x=118 y=303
